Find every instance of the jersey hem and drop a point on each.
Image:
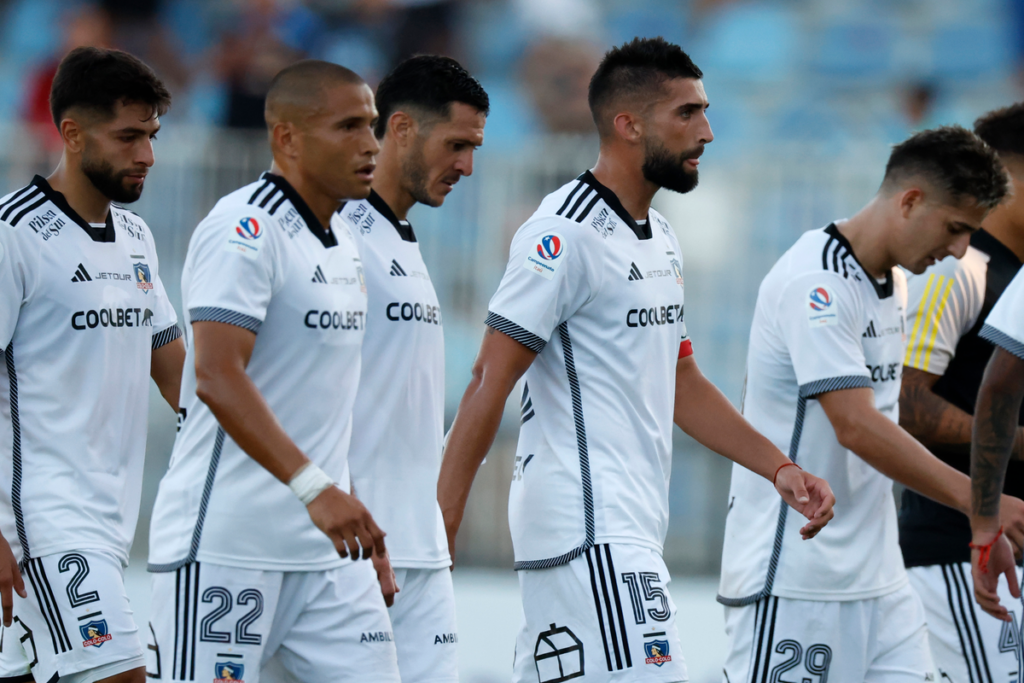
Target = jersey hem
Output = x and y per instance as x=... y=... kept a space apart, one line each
x=568 y=557
x=36 y=554
x=816 y=596
x=1002 y=340
x=421 y=564
x=250 y=563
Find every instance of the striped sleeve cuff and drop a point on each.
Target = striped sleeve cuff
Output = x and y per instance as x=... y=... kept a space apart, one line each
x=165 y=337
x=223 y=315
x=824 y=386
x=1002 y=340
x=524 y=337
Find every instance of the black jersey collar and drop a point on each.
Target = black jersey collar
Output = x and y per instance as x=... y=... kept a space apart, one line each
x=885 y=289
x=326 y=237
x=984 y=241
x=404 y=228
x=104 y=234
x=642 y=232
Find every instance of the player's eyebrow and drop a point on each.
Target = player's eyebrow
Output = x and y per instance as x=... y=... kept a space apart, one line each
x=691 y=107
x=135 y=131
x=964 y=227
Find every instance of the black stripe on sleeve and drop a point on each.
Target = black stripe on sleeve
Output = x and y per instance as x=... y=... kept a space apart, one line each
x=569 y=198
x=590 y=207
x=224 y=315
x=28 y=209
x=824 y=386
x=11 y=207
x=579 y=201
x=259 y=190
x=166 y=336
x=1002 y=340
x=523 y=336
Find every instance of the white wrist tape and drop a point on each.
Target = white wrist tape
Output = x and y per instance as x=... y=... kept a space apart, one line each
x=309 y=482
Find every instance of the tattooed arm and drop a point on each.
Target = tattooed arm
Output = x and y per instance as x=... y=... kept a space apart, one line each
x=934 y=421
x=995 y=426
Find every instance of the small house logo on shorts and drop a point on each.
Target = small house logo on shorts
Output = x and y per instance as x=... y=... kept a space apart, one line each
x=95 y=633
x=228 y=671
x=657 y=652
x=558 y=655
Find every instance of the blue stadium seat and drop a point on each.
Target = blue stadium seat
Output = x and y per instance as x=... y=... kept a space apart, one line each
x=855 y=49
x=972 y=51
x=750 y=42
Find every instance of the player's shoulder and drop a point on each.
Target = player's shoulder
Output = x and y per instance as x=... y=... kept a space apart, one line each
x=28 y=210
x=241 y=207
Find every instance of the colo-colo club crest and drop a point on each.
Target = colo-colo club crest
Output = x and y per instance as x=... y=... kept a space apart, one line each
x=95 y=633
x=228 y=671
x=657 y=652
x=143 y=280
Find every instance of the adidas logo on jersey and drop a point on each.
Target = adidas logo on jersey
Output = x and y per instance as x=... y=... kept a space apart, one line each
x=318 y=276
x=634 y=273
x=397 y=269
x=870 y=332
x=81 y=275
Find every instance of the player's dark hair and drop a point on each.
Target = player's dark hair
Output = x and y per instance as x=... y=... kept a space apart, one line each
x=953 y=158
x=430 y=84
x=95 y=79
x=636 y=69
x=1003 y=129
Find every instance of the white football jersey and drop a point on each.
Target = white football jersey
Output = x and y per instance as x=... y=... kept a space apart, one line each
x=1004 y=326
x=81 y=311
x=261 y=261
x=599 y=297
x=395 y=455
x=821 y=324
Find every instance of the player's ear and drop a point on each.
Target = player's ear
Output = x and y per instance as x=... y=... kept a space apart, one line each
x=285 y=138
x=910 y=200
x=72 y=134
x=401 y=127
x=628 y=126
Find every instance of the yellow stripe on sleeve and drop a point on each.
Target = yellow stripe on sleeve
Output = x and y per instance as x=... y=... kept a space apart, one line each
x=935 y=328
x=922 y=307
x=928 y=321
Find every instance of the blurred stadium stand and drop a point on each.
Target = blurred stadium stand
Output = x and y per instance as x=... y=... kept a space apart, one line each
x=806 y=96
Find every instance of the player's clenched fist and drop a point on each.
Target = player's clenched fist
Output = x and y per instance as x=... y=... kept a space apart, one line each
x=809 y=495
x=347 y=523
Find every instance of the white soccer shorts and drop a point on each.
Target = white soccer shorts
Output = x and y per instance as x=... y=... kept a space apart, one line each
x=605 y=616
x=880 y=640
x=212 y=622
x=423 y=618
x=968 y=644
x=76 y=624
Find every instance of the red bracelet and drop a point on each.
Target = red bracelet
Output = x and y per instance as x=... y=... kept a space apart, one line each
x=984 y=551
x=785 y=464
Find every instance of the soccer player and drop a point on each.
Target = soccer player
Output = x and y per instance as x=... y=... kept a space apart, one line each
x=823 y=380
x=590 y=310
x=432 y=115
x=942 y=370
x=995 y=427
x=84 y=323
x=249 y=529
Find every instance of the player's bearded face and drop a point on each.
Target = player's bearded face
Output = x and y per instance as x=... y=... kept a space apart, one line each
x=111 y=182
x=668 y=170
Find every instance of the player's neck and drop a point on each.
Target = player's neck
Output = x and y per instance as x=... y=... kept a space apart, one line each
x=322 y=205
x=1006 y=224
x=387 y=182
x=82 y=196
x=624 y=178
x=866 y=232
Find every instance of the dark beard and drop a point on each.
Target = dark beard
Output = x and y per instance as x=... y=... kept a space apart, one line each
x=109 y=182
x=667 y=171
x=414 y=170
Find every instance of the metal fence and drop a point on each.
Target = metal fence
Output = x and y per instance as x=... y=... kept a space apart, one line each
x=745 y=213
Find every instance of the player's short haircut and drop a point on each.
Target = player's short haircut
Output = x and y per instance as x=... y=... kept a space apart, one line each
x=636 y=71
x=1003 y=130
x=954 y=160
x=297 y=90
x=94 y=80
x=428 y=85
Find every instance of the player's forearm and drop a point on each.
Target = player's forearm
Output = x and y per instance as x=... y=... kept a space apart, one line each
x=995 y=426
x=471 y=436
x=165 y=369
x=928 y=417
x=245 y=416
x=704 y=413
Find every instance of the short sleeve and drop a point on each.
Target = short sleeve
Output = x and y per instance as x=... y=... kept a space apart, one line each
x=231 y=268
x=1004 y=326
x=819 y=317
x=943 y=303
x=165 y=320
x=547 y=279
x=12 y=286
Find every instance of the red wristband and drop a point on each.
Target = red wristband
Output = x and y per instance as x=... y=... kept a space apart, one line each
x=785 y=464
x=984 y=551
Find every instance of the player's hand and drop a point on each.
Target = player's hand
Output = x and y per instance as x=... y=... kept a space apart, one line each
x=1011 y=516
x=386 y=577
x=347 y=523
x=986 y=586
x=10 y=577
x=809 y=495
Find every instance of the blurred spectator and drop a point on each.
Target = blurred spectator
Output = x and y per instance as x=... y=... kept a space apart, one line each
x=919 y=105
x=86 y=25
x=138 y=28
x=556 y=73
